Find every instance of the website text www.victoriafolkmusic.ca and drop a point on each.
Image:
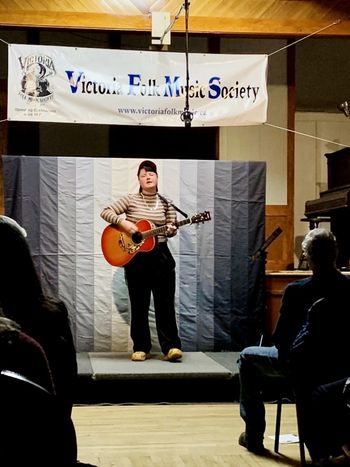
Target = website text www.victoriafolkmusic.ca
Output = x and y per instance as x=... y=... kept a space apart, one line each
x=152 y=111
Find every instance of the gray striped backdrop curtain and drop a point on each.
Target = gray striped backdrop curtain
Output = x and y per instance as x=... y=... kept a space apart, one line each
x=219 y=295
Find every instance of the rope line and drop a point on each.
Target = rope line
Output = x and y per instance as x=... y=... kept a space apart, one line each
x=307 y=135
x=306 y=37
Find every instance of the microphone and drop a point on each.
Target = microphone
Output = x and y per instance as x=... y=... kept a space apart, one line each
x=187 y=117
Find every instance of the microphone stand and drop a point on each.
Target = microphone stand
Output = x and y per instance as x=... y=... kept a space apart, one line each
x=262 y=250
x=187 y=115
x=261 y=255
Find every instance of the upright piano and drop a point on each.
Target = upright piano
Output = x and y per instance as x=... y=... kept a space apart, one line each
x=335 y=203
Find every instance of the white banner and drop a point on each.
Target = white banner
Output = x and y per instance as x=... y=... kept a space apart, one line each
x=123 y=87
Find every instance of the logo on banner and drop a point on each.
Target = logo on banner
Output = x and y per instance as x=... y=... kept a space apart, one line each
x=37 y=71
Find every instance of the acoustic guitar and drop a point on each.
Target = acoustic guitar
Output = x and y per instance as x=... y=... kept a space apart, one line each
x=119 y=248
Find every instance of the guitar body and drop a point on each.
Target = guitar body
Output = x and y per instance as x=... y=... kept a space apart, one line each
x=118 y=248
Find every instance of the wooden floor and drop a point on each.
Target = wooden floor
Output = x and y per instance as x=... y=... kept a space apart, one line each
x=176 y=435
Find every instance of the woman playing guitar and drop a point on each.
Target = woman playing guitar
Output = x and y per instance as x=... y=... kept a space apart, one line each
x=151 y=271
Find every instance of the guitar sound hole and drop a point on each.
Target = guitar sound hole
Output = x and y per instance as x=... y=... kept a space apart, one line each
x=137 y=237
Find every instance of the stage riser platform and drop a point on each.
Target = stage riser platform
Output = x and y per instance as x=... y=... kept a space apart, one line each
x=107 y=377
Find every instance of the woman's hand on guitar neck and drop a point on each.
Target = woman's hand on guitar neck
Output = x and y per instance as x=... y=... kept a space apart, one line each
x=171 y=230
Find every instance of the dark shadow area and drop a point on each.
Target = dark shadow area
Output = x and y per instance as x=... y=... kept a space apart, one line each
x=163 y=142
x=157 y=391
x=119 y=141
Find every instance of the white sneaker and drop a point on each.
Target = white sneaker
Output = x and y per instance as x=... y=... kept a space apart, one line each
x=173 y=355
x=140 y=356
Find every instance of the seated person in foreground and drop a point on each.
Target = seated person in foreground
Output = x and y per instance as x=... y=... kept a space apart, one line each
x=37 y=432
x=328 y=440
x=320 y=365
x=21 y=354
x=258 y=364
x=44 y=319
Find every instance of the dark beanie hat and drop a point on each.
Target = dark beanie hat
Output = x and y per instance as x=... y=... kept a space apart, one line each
x=147 y=165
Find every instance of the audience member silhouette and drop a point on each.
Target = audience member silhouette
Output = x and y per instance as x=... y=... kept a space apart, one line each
x=35 y=430
x=20 y=353
x=45 y=319
x=258 y=364
x=330 y=414
x=320 y=366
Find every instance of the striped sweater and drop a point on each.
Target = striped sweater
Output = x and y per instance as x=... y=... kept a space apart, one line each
x=137 y=206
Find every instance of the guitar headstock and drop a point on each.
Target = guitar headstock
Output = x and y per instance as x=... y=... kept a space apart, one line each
x=200 y=217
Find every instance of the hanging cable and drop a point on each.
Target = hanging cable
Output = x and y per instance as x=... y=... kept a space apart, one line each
x=172 y=23
x=316 y=138
x=305 y=37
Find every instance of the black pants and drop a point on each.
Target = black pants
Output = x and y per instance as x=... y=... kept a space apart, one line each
x=153 y=272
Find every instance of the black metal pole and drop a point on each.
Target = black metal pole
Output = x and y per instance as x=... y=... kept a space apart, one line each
x=186 y=115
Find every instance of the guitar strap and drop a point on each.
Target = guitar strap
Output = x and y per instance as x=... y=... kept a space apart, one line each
x=169 y=203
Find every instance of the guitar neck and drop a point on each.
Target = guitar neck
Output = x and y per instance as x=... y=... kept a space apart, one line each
x=162 y=229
